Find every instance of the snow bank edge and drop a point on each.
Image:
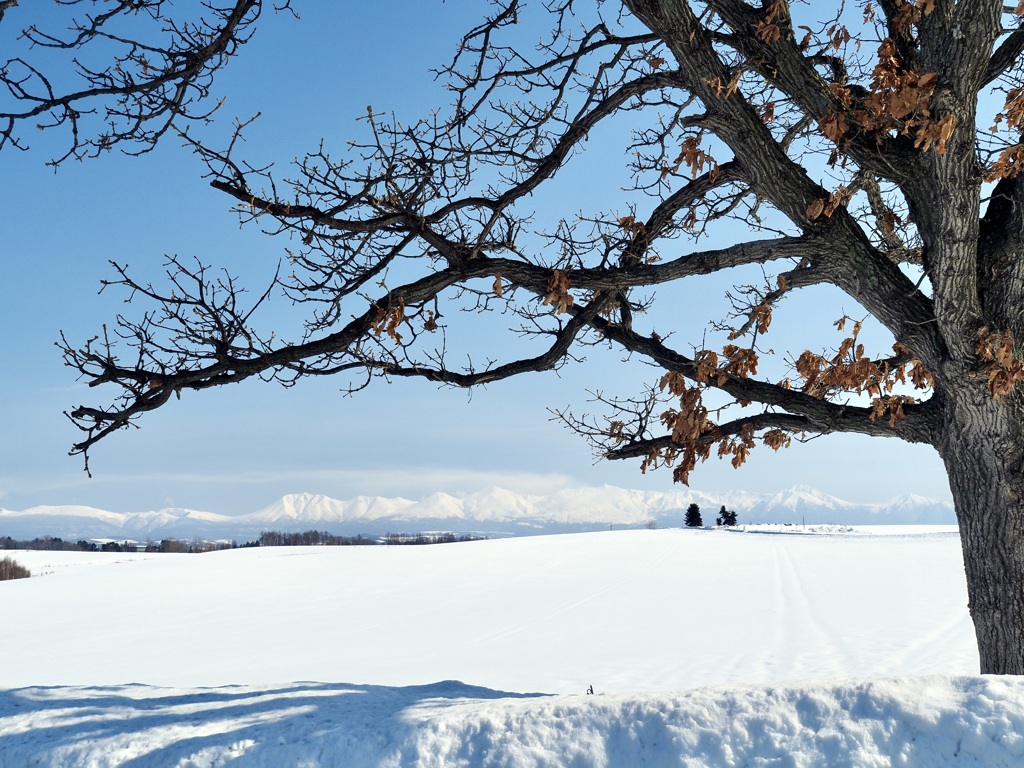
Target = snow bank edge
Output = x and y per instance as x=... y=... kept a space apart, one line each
x=860 y=722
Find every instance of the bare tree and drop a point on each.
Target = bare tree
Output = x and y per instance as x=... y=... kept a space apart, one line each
x=737 y=108
x=119 y=74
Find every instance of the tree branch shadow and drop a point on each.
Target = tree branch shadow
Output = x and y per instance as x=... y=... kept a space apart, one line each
x=137 y=726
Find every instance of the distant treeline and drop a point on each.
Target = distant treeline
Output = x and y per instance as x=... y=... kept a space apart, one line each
x=434 y=538
x=266 y=539
x=56 y=544
x=310 y=539
x=12 y=570
x=52 y=544
x=322 y=538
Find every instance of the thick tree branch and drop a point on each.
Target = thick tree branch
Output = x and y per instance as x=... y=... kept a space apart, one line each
x=857 y=267
x=847 y=419
x=821 y=415
x=784 y=65
x=1007 y=55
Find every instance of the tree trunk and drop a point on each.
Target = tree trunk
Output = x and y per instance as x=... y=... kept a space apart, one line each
x=983 y=450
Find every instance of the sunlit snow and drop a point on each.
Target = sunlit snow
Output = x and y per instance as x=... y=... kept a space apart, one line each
x=832 y=646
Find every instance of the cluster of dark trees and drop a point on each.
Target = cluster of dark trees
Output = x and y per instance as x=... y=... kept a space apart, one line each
x=308 y=538
x=50 y=544
x=266 y=539
x=57 y=544
x=9 y=569
x=694 y=520
x=325 y=539
x=322 y=538
x=435 y=538
x=188 y=545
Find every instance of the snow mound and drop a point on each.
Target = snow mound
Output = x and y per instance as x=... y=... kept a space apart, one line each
x=903 y=721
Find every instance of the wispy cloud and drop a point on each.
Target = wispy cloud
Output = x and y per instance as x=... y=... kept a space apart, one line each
x=377 y=481
x=248 y=490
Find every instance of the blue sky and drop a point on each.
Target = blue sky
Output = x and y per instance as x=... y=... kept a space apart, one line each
x=240 y=448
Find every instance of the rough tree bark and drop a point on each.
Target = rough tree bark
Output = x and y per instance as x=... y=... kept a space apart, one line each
x=982 y=446
x=741 y=107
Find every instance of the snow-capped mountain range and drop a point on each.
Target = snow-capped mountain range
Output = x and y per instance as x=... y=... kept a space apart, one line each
x=495 y=512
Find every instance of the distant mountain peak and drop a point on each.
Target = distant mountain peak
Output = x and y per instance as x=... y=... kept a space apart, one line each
x=495 y=511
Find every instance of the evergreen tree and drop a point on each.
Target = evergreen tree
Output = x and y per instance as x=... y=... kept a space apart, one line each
x=693 y=519
x=725 y=517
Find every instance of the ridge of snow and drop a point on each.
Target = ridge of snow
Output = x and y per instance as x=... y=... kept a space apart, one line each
x=804 y=495
x=894 y=721
x=66 y=510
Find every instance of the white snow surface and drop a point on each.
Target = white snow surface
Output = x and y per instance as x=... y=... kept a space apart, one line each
x=838 y=647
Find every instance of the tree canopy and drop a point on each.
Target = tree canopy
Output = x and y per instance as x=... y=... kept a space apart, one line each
x=120 y=75
x=873 y=147
x=449 y=200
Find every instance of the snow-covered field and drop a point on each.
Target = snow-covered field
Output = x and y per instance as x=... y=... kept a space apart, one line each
x=792 y=640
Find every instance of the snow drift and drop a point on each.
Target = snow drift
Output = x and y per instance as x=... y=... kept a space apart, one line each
x=918 y=722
